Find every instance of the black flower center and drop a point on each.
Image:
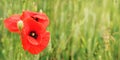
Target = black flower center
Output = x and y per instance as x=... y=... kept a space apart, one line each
x=33 y=34
x=35 y=18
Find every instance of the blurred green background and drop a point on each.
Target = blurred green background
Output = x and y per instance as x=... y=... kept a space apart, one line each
x=80 y=29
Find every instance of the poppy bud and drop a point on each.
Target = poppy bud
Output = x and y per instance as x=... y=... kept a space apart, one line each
x=40 y=11
x=20 y=24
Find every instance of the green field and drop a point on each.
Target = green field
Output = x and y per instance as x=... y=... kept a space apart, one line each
x=80 y=29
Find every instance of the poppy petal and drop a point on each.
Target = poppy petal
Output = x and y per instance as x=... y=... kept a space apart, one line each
x=11 y=23
x=35 y=49
x=29 y=22
x=32 y=40
x=45 y=39
x=27 y=14
x=25 y=43
x=42 y=17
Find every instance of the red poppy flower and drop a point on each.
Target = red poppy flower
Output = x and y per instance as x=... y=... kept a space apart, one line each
x=39 y=17
x=11 y=23
x=32 y=30
x=34 y=36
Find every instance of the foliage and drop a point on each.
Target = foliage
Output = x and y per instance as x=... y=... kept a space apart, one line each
x=80 y=29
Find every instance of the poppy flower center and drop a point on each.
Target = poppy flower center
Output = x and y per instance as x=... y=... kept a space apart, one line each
x=33 y=34
x=35 y=18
